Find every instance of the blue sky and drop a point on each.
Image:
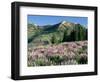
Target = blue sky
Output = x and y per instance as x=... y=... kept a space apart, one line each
x=44 y=19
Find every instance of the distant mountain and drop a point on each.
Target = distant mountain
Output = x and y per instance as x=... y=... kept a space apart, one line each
x=57 y=33
x=32 y=31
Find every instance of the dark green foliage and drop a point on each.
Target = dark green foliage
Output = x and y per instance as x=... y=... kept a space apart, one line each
x=82 y=60
x=39 y=62
x=53 y=39
x=65 y=36
x=81 y=32
x=86 y=34
x=72 y=35
x=77 y=34
x=57 y=33
x=56 y=59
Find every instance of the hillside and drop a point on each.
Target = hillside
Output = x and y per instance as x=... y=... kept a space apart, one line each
x=57 y=33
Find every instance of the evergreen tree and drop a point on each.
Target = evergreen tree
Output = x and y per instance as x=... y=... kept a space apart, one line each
x=73 y=37
x=76 y=33
x=86 y=34
x=53 y=39
x=81 y=32
x=65 y=36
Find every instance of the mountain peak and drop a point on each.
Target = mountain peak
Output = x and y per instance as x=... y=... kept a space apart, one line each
x=63 y=22
x=66 y=23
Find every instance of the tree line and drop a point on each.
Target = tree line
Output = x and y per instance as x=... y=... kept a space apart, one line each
x=79 y=33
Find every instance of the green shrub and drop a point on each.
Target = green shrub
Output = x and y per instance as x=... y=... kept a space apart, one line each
x=40 y=62
x=56 y=59
x=82 y=60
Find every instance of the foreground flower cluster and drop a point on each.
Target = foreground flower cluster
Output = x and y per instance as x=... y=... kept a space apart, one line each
x=67 y=53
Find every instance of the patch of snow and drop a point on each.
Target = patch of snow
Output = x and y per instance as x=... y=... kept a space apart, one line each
x=63 y=22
